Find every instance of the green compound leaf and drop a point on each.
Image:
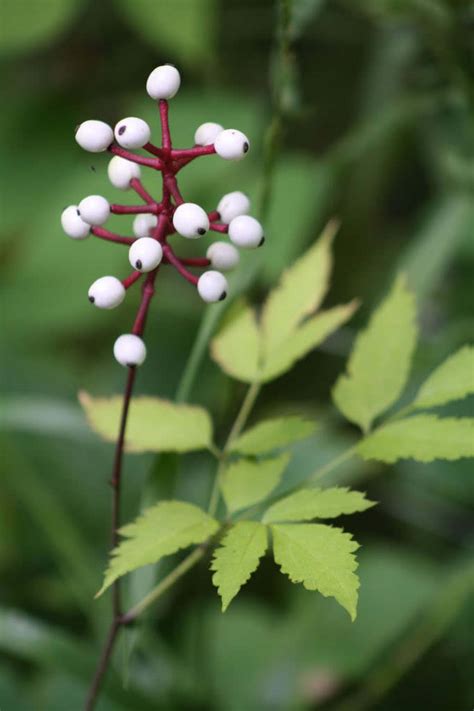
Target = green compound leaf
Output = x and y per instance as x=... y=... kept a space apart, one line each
x=273 y=434
x=187 y=28
x=237 y=347
x=160 y=530
x=453 y=380
x=237 y=558
x=154 y=425
x=245 y=483
x=300 y=292
x=27 y=24
x=421 y=437
x=321 y=557
x=308 y=504
x=311 y=334
x=380 y=361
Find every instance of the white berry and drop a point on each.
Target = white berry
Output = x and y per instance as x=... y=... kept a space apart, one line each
x=132 y=132
x=231 y=144
x=232 y=205
x=143 y=224
x=145 y=254
x=163 y=82
x=212 y=286
x=223 y=255
x=207 y=133
x=106 y=292
x=94 y=209
x=94 y=136
x=246 y=231
x=121 y=171
x=73 y=224
x=190 y=220
x=129 y=350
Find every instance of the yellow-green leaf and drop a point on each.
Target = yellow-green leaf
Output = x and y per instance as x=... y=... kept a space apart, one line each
x=273 y=434
x=245 y=482
x=453 y=380
x=154 y=425
x=160 y=530
x=321 y=557
x=380 y=361
x=300 y=292
x=237 y=558
x=305 y=338
x=237 y=347
x=307 y=504
x=421 y=437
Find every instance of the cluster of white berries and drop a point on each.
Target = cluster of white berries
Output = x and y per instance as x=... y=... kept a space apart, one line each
x=149 y=247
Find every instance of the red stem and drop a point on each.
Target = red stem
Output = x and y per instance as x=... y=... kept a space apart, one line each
x=111 y=236
x=133 y=209
x=213 y=216
x=178 y=265
x=147 y=295
x=135 y=158
x=151 y=148
x=185 y=153
x=165 y=129
x=194 y=261
x=172 y=185
x=131 y=279
x=136 y=184
x=218 y=228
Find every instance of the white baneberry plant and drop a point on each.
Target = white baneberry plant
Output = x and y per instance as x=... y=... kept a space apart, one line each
x=250 y=507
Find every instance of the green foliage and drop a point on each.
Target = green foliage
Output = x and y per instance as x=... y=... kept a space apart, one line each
x=237 y=558
x=379 y=364
x=422 y=437
x=320 y=557
x=452 y=380
x=273 y=434
x=178 y=27
x=161 y=530
x=246 y=482
x=27 y=24
x=154 y=425
x=254 y=351
x=307 y=504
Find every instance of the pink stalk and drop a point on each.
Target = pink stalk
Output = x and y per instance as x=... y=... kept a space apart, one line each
x=131 y=279
x=185 y=153
x=111 y=236
x=178 y=265
x=135 y=158
x=165 y=129
x=136 y=184
x=133 y=209
x=219 y=228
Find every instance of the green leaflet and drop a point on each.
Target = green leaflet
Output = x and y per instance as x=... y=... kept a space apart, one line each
x=379 y=364
x=154 y=425
x=273 y=434
x=307 y=504
x=311 y=334
x=299 y=293
x=237 y=347
x=421 y=437
x=245 y=482
x=161 y=530
x=237 y=558
x=321 y=557
x=452 y=380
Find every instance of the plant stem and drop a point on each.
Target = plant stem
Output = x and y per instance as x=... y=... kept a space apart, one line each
x=102 y=666
x=333 y=463
x=164 y=584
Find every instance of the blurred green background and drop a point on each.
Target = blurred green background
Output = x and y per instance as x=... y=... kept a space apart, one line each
x=362 y=109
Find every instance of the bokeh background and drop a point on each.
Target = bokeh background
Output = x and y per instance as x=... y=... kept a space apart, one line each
x=363 y=109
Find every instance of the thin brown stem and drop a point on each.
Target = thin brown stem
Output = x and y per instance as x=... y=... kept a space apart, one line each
x=102 y=666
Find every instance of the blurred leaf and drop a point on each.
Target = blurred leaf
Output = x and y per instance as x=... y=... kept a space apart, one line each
x=321 y=557
x=43 y=415
x=452 y=380
x=245 y=482
x=185 y=28
x=308 y=504
x=237 y=558
x=302 y=13
x=380 y=360
x=299 y=293
x=154 y=425
x=27 y=24
x=422 y=437
x=308 y=336
x=273 y=434
x=158 y=531
x=236 y=348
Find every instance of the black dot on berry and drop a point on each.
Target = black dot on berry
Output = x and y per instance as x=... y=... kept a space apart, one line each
x=222 y=296
x=122 y=130
x=246 y=147
x=138 y=264
x=78 y=213
x=262 y=241
x=201 y=231
x=131 y=365
x=91 y=299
